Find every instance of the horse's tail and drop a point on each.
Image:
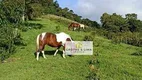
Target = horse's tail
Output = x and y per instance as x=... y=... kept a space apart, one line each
x=37 y=43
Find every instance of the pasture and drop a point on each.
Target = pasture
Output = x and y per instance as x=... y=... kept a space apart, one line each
x=114 y=61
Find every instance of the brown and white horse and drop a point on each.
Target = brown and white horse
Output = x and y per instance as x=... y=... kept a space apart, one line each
x=53 y=40
x=74 y=26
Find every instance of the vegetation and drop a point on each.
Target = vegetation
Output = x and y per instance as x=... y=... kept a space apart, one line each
x=36 y=8
x=22 y=21
x=10 y=18
x=110 y=61
x=127 y=30
x=114 y=26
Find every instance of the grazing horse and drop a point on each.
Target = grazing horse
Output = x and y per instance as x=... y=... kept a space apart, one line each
x=53 y=40
x=74 y=26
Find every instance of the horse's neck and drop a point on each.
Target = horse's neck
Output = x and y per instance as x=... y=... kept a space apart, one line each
x=61 y=37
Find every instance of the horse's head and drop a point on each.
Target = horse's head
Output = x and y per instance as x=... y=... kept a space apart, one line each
x=69 y=45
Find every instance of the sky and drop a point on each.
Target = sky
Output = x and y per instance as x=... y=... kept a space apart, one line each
x=93 y=9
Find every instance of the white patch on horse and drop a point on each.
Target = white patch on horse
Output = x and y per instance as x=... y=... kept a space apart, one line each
x=82 y=26
x=43 y=35
x=61 y=37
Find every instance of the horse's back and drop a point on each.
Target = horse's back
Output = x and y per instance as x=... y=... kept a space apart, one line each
x=61 y=37
x=81 y=25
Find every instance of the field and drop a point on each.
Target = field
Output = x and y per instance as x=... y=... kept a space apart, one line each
x=113 y=61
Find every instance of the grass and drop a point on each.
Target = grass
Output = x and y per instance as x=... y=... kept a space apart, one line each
x=115 y=61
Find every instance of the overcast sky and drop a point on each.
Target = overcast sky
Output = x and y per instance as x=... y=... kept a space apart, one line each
x=93 y=9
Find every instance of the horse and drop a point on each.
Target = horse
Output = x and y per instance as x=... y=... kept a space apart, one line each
x=53 y=40
x=74 y=26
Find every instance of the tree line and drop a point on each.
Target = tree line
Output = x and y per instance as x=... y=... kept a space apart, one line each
x=36 y=8
x=116 y=23
x=127 y=30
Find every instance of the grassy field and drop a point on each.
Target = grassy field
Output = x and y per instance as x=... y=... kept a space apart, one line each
x=114 y=61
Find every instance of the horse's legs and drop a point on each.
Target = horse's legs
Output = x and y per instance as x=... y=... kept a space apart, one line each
x=43 y=54
x=42 y=48
x=56 y=51
x=64 y=52
x=37 y=55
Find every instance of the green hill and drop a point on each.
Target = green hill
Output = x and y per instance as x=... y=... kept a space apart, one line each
x=111 y=61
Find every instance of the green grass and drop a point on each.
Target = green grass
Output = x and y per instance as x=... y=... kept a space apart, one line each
x=115 y=61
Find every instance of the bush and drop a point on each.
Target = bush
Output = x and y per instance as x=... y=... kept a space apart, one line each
x=9 y=37
x=88 y=38
x=128 y=38
x=94 y=70
x=138 y=53
x=88 y=29
x=57 y=28
x=32 y=25
x=6 y=40
x=134 y=38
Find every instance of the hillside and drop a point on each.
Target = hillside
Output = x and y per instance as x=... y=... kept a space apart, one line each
x=114 y=61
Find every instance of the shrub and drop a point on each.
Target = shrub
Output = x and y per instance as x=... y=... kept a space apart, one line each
x=134 y=38
x=57 y=28
x=88 y=38
x=138 y=53
x=93 y=74
x=31 y=25
x=88 y=29
x=128 y=38
x=9 y=37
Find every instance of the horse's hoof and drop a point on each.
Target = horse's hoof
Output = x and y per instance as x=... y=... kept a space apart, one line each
x=64 y=57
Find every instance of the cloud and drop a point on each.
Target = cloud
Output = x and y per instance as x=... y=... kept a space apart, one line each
x=93 y=9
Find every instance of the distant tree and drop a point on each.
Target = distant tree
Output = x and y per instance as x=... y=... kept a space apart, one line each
x=134 y=23
x=95 y=24
x=77 y=18
x=12 y=10
x=114 y=22
x=131 y=16
x=71 y=11
x=36 y=8
x=86 y=21
x=105 y=19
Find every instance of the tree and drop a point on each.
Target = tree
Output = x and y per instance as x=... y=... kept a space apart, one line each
x=36 y=8
x=12 y=12
x=10 y=19
x=131 y=16
x=114 y=22
x=134 y=23
x=105 y=19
